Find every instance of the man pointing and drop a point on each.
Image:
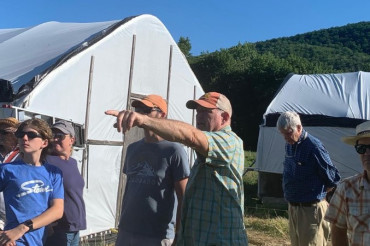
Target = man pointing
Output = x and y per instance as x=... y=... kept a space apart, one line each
x=212 y=211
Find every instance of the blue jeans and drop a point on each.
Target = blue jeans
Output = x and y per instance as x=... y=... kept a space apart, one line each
x=133 y=239
x=63 y=238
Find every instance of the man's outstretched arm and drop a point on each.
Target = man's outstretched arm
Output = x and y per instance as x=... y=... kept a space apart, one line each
x=171 y=130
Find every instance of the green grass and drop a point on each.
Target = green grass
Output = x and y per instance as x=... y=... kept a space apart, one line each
x=250 y=181
x=269 y=219
x=275 y=227
x=249 y=158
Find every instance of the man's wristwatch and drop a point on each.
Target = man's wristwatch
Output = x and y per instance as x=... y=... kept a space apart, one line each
x=29 y=224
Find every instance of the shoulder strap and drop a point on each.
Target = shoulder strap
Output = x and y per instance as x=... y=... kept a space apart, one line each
x=11 y=156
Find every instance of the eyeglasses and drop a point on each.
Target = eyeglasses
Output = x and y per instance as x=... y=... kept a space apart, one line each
x=30 y=135
x=146 y=110
x=361 y=148
x=3 y=132
x=59 y=136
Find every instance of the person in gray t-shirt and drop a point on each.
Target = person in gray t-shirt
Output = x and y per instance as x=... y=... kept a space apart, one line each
x=157 y=172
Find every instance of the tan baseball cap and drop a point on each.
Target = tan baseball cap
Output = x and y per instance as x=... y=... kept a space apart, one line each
x=211 y=100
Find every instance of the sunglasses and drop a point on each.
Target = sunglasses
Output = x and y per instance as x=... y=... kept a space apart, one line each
x=59 y=136
x=361 y=148
x=146 y=110
x=3 y=132
x=30 y=135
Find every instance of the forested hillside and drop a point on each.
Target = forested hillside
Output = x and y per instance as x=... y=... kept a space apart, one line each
x=251 y=73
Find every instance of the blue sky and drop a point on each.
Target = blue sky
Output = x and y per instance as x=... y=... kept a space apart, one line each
x=209 y=24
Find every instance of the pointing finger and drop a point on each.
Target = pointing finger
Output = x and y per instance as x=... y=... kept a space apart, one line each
x=112 y=112
x=118 y=115
x=120 y=120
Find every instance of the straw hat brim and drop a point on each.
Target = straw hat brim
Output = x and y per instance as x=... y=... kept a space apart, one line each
x=12 y=122
x=351 y=140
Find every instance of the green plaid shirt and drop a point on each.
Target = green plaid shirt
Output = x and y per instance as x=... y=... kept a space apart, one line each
x=213 y=203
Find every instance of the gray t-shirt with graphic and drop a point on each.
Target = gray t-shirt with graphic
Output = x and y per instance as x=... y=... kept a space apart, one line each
x=149 y=204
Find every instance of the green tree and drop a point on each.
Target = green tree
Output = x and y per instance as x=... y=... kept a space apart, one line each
x=185 y=46
x=250 y=74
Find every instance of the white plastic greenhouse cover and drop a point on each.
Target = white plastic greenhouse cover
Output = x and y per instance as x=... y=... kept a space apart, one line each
x=340 y=96
x=53 y=59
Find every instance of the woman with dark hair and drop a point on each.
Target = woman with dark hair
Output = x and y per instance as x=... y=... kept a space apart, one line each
x=33 y=189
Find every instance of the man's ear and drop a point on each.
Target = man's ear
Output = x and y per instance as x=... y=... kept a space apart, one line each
x=73 y=140
x=299 y=128
x=225 y=117
x=163 y=115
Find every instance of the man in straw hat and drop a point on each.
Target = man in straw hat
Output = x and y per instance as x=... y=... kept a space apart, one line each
x=349 y=210
x=156 y=170
x=9 y=152
x=8 y=142
x=213 y=204
x=307 y=177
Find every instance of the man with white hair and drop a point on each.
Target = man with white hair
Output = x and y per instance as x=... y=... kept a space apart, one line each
x=349 y=210
x=307 y=177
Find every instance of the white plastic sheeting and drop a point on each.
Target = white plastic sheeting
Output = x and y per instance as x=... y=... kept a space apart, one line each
x=62 y=91
x=26 y=52
x=336 y=95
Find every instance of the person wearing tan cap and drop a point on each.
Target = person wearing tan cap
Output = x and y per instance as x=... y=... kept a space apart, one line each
x=349 y=210
x=8 y=142
x=157 y=172
x=9 y=152
x=213 y=204
x=66 y=231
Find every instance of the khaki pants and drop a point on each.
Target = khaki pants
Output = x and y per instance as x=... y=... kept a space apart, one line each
x=307 y=226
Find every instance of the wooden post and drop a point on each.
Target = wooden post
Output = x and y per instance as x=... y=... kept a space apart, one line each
x=132 y=63
x=169 y=79
x=122 y=182
x=193 y=123
x=86 y=130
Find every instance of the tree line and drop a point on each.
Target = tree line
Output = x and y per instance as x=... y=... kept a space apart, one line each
x=250 y=74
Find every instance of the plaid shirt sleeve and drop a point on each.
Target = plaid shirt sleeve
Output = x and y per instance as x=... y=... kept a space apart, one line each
x=337 y=211
x=350 y=209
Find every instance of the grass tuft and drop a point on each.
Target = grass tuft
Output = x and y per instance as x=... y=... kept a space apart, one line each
x=275 y=227
x=262 y=221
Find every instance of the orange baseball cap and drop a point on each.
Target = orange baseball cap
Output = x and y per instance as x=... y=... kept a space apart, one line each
x=211 y=100
x=152 y=101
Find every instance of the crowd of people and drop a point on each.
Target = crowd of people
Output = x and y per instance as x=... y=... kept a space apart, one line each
x=165 y=201
x=41 y=201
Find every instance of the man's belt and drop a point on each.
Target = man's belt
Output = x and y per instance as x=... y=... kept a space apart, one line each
x=304 y=204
